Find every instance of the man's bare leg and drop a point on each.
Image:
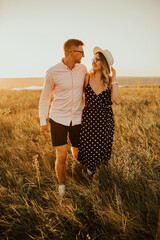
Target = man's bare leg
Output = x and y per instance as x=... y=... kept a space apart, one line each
x=74 y=152
x=60 y=164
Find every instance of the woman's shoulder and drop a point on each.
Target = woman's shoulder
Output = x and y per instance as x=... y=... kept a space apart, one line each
x=87 y=77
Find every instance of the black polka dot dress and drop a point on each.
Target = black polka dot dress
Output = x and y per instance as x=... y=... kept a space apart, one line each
x=97 y=129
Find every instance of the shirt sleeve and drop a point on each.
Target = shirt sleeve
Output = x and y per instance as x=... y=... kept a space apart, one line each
x=85 y=70
x=45 y=98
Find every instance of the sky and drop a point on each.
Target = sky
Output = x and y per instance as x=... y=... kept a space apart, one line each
x=32 y=34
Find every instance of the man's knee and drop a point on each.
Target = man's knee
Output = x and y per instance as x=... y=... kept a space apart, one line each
x=75 y=152
x=61 y=154
x=75 y=155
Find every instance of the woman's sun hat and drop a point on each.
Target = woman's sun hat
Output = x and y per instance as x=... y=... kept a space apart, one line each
x=107 y=54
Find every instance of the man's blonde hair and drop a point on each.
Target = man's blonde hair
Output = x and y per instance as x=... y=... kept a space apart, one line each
x=70 y=43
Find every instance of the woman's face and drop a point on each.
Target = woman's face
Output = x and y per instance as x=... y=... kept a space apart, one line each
x=96 y=63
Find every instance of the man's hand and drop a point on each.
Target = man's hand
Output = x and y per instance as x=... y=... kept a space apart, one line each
x=44 y=130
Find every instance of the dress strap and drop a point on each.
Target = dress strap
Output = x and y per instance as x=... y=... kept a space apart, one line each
x=88 y=80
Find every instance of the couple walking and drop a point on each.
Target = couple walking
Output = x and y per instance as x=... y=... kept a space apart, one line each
x=91 y=130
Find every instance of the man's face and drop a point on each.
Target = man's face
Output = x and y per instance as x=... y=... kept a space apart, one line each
x=77 y=53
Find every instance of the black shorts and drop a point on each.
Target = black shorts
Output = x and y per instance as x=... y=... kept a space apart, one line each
x=59 y=134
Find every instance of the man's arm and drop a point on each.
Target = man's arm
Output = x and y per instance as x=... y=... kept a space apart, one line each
x=44 y=102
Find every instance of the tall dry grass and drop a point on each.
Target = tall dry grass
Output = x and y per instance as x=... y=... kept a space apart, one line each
x=124 y=205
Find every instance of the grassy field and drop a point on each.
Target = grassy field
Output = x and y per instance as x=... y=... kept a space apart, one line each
x=123 y=206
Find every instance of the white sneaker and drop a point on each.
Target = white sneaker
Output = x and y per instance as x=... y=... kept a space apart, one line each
x=61 y=190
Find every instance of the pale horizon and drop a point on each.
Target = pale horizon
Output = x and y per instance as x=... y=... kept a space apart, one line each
x=33 y=33
x=36 y=83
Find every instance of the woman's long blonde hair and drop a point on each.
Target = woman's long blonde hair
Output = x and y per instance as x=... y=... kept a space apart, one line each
x=105 y=69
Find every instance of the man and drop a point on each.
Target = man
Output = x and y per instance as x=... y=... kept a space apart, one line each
x=66 y=80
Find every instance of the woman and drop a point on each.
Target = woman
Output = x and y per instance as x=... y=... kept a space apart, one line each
x=101 y=91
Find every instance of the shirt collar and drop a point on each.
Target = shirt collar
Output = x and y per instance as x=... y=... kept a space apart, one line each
x=62 y=61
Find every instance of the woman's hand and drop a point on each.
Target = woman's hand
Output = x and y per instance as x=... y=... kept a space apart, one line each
x=115 y=93
x=113 y=76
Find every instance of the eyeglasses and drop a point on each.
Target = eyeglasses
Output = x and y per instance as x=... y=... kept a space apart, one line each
x=95 y=60
x=79 y=51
